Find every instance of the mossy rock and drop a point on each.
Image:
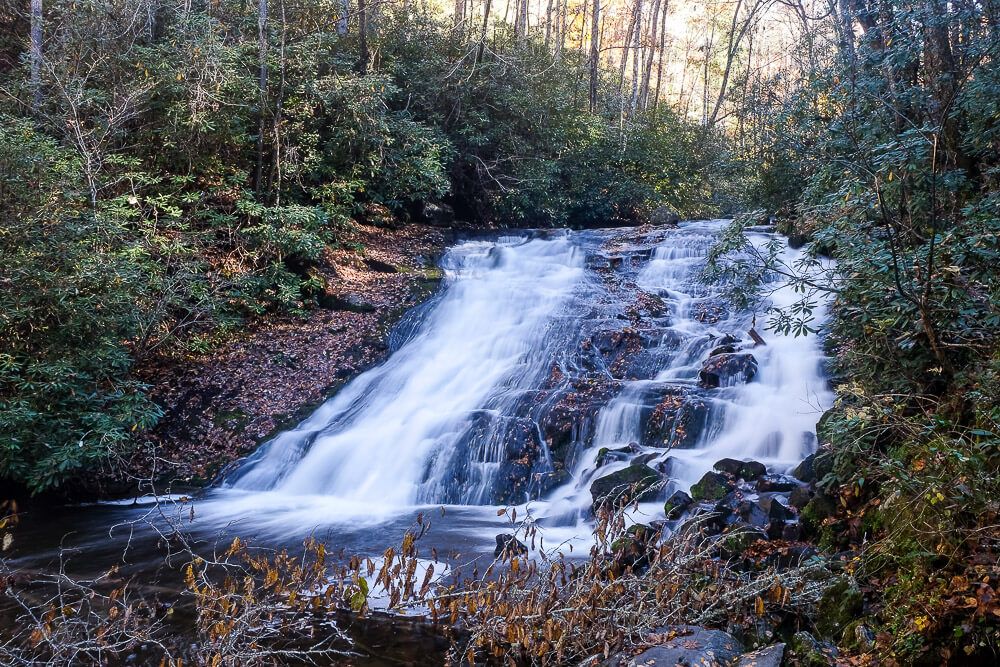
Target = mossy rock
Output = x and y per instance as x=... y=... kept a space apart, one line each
x=816 y=510
x=841 y=604
x=712 y=486
x=636 y=482
x=676 y=504
x=739 y=538
x=745 y=470
x=807 y=651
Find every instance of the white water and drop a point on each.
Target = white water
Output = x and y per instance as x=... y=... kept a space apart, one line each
x=429 y=426
x=393 y=437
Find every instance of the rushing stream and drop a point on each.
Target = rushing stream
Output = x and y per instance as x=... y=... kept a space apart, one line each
x=541 y=351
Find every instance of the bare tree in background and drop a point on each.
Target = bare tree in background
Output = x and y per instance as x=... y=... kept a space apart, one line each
x=262 y=84
x=36 y=54
x=595 y=52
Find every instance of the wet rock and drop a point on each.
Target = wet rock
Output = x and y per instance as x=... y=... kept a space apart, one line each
x=792 y=555
x=814 y=467
x=438 y=214
x=775 y=509
x=775 y=530
x=722 y=349
x=816 y=510
x=689 y=645
x=799 y=497
x=606 y=455
x=738 y=538
x=677 y=504
x=791 y=532
x=380 y=266
x=508 y=545
x=646 y=459
x=781 y=483
x=677 y=421
x=810 y=652
x=770 y=656
x=858 y=637
x=568 y=421
x=634 y=549
x=726 y=370
x=712 y=486
x=636 y=482
x=663 y=215
x=350 y=302
x=840 y=605
x=745 y=470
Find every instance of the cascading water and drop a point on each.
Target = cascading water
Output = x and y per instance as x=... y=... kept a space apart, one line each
x=539 y=354
x=427 y=426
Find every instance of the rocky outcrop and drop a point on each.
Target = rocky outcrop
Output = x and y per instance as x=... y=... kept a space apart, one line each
x=690 y=645
x=726 y=370
x=745 y=470
x=676 y=421
x=636 y=482
x=712 y=486
x=508 y=546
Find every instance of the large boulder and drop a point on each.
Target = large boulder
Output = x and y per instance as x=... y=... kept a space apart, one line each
x=677 y=504
x=677 y=421
x=840 y=605
x=690 y=645
x=727 y=370
x=769 y=656
x=437 y=213
x=712 y=486
x=636 y=482
x=508 y=546
x=663 y=215
x=745 y=470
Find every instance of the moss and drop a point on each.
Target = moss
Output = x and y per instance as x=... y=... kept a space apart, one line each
x=840 y=605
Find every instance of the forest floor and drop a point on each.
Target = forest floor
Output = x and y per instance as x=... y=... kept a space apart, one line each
x=221 y=405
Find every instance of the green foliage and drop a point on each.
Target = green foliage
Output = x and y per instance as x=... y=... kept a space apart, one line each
x=67 y=311
x=157 y=199
x=886 y=156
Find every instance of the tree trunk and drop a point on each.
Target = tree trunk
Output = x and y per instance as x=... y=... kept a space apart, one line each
x=262 y=83
x=650 y=51
x=459 y=12
x=482 y=36
x=663 y=43
x=363 y=56
x=595 y=52
x=36 y=54
x=734 y=43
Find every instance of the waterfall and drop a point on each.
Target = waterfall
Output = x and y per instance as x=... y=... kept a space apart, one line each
x=463 y=411
x=402 y=433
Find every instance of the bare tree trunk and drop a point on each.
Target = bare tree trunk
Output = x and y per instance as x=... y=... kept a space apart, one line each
x=548 y=25
x=650 y=50
x=625 y=47
x=595 y=52
x=482 y=36
x=36 y=54
x=521 y=19
x=636 y=57
x=459 y=12
x=363 y=55
x=736 y=36
x=663 y=44
x=345 y=11
x=262 y=52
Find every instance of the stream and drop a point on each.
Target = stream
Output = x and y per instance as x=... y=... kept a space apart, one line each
x=548 y=360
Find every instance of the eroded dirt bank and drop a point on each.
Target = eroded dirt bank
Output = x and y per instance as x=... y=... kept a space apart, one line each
x=219 y=406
